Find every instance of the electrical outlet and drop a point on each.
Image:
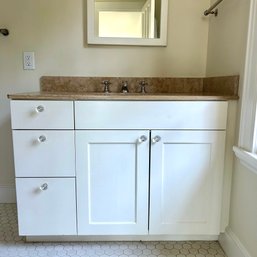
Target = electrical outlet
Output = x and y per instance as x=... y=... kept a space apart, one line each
x=28 y=61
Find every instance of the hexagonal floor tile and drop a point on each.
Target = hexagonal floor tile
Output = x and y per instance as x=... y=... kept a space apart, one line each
x=11 y=245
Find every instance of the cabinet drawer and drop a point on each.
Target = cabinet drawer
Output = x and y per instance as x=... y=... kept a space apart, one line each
x=44 y=153
x=42 y=114
x=46 y=206
x=150 y=115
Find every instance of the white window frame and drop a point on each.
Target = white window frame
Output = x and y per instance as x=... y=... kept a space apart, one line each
x=246 y=150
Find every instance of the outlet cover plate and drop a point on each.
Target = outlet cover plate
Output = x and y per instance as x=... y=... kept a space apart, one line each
x=28 y=60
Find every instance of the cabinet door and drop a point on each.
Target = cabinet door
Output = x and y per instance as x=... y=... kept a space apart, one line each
x=186 y=182
x=46 y=206
x=112 y=182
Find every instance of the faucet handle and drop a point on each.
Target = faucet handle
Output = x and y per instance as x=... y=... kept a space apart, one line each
x=143 y=83
x=106 y=84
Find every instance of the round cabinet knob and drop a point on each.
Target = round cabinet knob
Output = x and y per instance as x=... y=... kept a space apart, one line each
x=156 y=139
x=43 y=187
x=40 y=108
x=42 y=139
x=142 y=139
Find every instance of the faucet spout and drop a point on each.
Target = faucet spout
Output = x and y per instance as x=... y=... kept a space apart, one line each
x=124 y=88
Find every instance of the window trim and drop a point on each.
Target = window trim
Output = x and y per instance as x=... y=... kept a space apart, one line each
x=249 y=160
x=246 y=149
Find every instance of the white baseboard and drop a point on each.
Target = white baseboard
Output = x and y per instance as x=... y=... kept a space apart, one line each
x=232 y=245
x=7 y=194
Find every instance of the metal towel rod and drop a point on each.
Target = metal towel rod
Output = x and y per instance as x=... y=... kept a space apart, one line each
x=210 y=10
x=4 y=32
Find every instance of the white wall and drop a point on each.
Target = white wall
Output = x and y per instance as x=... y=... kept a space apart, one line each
x=226 y=55
x=227 y=38
x=55 y=31
x=243 y=213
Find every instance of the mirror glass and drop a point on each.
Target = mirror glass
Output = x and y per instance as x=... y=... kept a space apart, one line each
x=127 y=22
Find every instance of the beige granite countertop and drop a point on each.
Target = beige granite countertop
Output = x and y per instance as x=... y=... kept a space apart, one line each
x=205 y=96
x=158 y=89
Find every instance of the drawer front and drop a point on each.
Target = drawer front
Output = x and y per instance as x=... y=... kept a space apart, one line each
x=150 y=115
x=44 y=153
x=46 y=206
x=42 y=114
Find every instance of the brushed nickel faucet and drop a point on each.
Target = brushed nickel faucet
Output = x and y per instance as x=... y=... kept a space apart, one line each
x=124 y=87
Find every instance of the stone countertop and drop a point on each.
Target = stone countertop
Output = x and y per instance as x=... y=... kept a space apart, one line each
x=200 y=96
x=158 y=89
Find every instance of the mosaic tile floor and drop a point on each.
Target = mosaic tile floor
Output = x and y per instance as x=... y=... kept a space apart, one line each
x=11 y=245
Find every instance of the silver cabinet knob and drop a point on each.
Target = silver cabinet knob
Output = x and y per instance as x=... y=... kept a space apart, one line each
x=40 y=108
x=142 y=139
x=42 y=139
x=43 y=187
x=156 y=139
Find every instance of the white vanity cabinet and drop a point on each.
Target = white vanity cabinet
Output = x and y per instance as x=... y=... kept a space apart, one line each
x=186 y=150
x=44 y=156
x=138 y=168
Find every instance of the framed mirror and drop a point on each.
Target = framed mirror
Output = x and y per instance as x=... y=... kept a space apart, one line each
x=127 y=22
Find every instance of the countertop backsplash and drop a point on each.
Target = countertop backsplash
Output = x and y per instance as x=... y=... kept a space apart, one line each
x=226 y=85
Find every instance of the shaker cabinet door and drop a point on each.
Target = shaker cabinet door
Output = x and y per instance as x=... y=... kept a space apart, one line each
x=186 y=182
x=112 y=182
